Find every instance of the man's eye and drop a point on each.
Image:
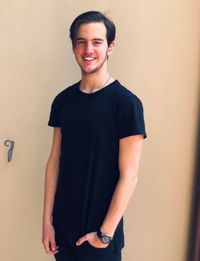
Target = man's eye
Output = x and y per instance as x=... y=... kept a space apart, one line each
x=97 y=43
x=80 y=42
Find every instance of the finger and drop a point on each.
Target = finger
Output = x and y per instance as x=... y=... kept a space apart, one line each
x=81 y=240
x=53 y=250
x=53 y=246
x=46 y=246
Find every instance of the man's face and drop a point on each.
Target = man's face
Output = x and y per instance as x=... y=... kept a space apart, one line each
x=91 y=47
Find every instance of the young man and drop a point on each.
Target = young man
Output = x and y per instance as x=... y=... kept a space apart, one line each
x=93 y=165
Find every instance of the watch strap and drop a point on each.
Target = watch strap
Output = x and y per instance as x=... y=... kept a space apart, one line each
x=101 y=234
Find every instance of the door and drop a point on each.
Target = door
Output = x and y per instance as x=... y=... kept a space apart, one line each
x=24 y=108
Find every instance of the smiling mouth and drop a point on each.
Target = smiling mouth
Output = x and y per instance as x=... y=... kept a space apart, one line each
x=89 y=58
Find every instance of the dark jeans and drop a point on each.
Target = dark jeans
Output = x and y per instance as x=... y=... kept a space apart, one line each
x=86 y=252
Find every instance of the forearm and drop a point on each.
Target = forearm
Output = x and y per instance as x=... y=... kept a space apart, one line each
x=51 y=178
x=119 y=203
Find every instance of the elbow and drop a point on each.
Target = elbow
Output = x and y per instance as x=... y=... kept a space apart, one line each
x=134 y=181
x=130 y=181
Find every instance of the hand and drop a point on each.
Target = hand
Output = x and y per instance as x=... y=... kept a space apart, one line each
x=48 y=239
x=93 y=240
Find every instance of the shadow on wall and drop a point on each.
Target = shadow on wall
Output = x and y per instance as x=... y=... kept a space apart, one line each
x=193 y=253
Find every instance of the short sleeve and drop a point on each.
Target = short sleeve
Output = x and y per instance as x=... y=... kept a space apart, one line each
x=54 y=117
x=130 y=120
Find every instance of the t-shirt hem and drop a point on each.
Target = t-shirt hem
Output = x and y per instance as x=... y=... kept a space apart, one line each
x=53 y=125
x=132 y=133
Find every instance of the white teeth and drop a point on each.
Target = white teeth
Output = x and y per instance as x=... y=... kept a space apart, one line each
x=88 y=58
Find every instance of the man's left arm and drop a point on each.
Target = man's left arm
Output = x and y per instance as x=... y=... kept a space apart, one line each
x=129 y=158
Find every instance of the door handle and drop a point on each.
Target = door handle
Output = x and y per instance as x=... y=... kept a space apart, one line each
x=10 y=144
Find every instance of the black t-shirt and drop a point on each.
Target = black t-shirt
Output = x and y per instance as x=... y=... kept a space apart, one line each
x=91 y=126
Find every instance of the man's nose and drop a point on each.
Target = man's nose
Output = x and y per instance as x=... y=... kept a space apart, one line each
x=88 y=48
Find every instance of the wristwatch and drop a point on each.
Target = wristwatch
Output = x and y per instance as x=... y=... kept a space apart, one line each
x=104 y=237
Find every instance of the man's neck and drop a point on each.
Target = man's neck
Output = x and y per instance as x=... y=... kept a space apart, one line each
x=93 y=82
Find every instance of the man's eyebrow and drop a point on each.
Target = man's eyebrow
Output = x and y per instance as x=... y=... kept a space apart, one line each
x=95 y=39
x=79 y=38
x=98 y=39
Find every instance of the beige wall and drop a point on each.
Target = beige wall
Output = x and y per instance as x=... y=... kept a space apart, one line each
x=157 y=57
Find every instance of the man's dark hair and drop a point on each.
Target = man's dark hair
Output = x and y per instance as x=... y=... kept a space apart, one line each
x=93 y=17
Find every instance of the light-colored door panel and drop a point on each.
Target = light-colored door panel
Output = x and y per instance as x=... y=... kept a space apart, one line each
x=21 y=113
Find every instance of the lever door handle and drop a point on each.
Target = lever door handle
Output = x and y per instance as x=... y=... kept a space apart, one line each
x=10 y=144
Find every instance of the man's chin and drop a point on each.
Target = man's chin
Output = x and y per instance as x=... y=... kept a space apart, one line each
x=89 y=72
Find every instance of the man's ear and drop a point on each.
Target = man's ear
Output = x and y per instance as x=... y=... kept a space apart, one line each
x=110 y=48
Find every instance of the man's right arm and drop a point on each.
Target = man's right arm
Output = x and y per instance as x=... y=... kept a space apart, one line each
x=51 y=178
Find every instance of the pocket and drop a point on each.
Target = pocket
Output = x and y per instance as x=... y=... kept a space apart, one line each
x=102 y=248
x=92 y=250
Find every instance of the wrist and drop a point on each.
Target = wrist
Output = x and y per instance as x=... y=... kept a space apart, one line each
x=105 y=238
x=107 y=231
x=47 y=220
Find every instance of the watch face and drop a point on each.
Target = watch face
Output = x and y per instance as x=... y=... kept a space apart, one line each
x=105 y=239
